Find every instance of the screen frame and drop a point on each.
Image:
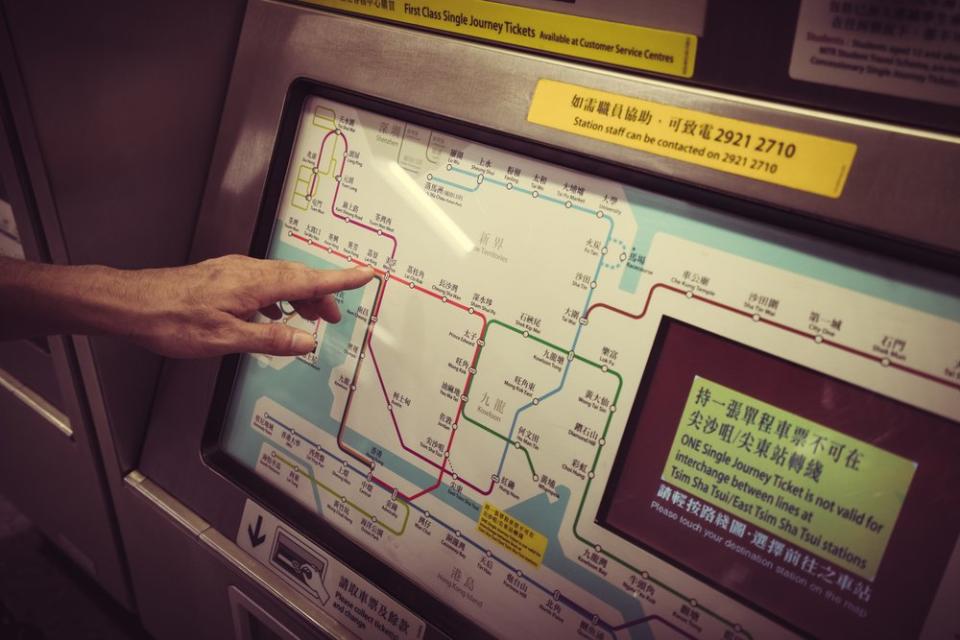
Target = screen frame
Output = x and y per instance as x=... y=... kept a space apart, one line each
x=818 y=237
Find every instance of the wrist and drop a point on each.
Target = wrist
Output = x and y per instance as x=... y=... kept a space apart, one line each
x=102 y=299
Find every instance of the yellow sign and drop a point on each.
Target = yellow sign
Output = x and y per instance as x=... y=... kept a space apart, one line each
x=824 y=491
x=615 y=43
x=780 y=156
x=511 y=534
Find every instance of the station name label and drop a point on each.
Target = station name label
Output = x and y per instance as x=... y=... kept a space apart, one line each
x=824 y=491
x=614 y=43
x=779 y=156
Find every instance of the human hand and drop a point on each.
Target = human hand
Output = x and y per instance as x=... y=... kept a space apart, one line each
x=205 y=309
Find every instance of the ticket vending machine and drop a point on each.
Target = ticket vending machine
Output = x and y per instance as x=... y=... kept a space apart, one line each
x=639 y=360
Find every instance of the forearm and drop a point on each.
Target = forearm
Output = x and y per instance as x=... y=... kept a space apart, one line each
x=41 y=299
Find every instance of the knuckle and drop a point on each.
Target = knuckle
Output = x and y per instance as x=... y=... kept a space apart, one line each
x=279 y=338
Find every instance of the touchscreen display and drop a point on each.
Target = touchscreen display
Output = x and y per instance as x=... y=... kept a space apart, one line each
x=572 y=408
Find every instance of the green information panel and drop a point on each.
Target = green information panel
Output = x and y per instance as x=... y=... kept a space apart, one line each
x=824 y=491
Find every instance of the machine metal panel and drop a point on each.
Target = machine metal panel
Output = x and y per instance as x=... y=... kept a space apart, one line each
x=374 y=61
x=218 y=590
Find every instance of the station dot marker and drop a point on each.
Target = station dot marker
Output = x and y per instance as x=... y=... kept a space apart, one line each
x=595 y=619
x=597 y=548
x=885 y=362
x=425 y=513
x=519 y=573
x=480 y=179
x=516 y=444
x=583 y=320
x=374 y=519
x=343 y=499
x=337 y=178
x=623 y=257
x=487 y=553
x=536 y=478
x=494 y=478
x=443 y=298
x=429 y=176
x=373 y=318
x=470 y=310
x=689 y=294
x=644 y=575
x=315 y=170
x=412 y=286
x=449 y=167
x=603 y=251
x=472 y=371
x=353 y=387
x=463 y=398
x=481 y=343
x=593 y=284
x=289 y=233
x=693 y=602
x=600 y=214
x=756 y=318
x=454 y=477
x=509 y=186
x=571 y=355
x=526 y=334
x=604 y=368
x=556 y=594
x=613 y=408
x=568 y=204
x=446 y=454
x=536 y=401
x=457 y=532
x=454 y=426
x=590 y=475
x=536 y=194
x=379 y=232
x=818 y=339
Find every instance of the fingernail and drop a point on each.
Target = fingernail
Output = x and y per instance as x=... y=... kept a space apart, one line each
x=304 y=342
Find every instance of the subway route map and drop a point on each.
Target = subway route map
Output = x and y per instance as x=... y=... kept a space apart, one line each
x=572 y=408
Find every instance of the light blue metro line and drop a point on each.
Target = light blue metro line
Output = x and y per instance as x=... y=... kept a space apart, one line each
x=586 y=305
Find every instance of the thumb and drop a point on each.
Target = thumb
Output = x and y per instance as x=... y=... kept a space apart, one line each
x=272 y=338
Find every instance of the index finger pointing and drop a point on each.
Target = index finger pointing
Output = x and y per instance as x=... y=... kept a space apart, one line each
x=294 y=281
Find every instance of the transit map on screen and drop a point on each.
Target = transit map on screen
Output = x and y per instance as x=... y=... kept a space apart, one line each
x=575 y=409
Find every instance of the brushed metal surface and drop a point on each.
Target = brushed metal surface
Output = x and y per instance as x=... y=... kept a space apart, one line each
x=901 y=185
x=227 y=552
